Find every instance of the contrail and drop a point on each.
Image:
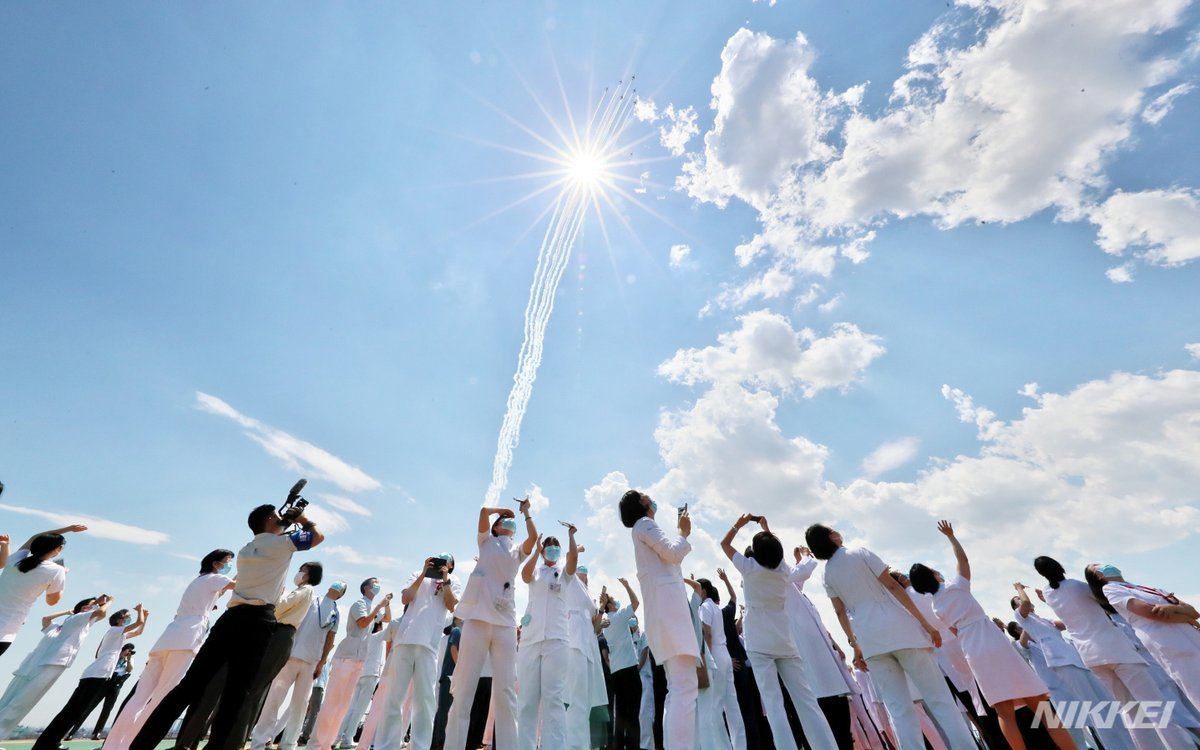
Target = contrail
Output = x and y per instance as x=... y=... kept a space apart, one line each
x=606 y=124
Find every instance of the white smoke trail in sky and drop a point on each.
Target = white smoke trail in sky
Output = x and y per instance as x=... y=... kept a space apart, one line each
x=607 y=123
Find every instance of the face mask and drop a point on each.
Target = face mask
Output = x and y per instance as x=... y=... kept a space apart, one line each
x=581 y=570
x=374 y=589
x=653 y=507
x=1108 y=571
x=339 y=587
x=633 y=623
x=616 y=604
x=509 y=524
x=300 y=578
x=127 y=621
x=553 y=553
x=226 y=569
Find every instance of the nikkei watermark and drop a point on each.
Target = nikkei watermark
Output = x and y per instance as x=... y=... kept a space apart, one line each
x=1104 y=714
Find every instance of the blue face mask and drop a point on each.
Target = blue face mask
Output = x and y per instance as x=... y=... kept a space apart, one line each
x=653 y=507
x=633 y=623
x=553 y=553
x=616 y=604
x=1108 y=571
x=581 y=570
x=374 y=589
x=226 y=569
x=509 y=524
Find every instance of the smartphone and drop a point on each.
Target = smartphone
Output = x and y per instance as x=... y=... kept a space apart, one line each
x=568 y=525
x=435 y=569
x=683 y=509
x=756 y=519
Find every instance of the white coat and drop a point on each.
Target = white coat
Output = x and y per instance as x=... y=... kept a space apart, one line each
x=668 y=620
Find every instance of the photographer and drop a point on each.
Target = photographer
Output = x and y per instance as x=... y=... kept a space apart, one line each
x=238 y=640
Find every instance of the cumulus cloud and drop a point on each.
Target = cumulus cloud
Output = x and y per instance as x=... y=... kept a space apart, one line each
x=1160 y=227
x=679 y=254
x=296 y=454
x=1193 y=349
x=537 y=499
x=677 y=126
x=767 y=352
x=101 y=528
x=890 y=456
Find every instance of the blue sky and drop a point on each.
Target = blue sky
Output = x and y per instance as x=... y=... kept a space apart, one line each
x=295 y=210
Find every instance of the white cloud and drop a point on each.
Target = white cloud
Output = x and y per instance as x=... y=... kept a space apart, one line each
x=1120 y=274
x=889 y=456
x=330 y=521
x=1159 y=108
x=767 y=352
x=296 y=454
x=678 y=124
x=832 y=303
x=345 y=505
x=983 y=418
x=1160 y=227
x=538 y=501
x=101 y=528
x=679 y=254
x=352 y=556
x=1193 y=349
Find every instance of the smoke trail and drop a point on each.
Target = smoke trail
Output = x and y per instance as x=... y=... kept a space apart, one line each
x=608 y=120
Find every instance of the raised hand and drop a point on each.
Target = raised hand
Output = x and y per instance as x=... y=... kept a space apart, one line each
x=505 y=513
x=721 y=574
x=946 y=528
x=523 y=506
x=685 y=524
x=75 y=527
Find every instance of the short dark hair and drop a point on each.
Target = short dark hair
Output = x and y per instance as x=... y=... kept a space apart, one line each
x=819 y=539
x=258 y=518
x=768 y=550
x=709 y=590
x=748 y=553
x=362 y=587
x=923 y=580
x=39 y=549
x=1014 y=630
x=83 y=603
x=631 y=508
x=1050 y=569
x=1096 y=584
x=551 y=541
x=1014 y=602
x=316 y=571
x=206 y=565
x=116 y=617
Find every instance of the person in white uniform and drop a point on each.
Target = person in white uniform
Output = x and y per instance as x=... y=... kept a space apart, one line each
x=348 y=663
x=1004 y=678
x=430 y=595
x=123 y=625
x=28 y=573
x=711 y=699
x=586 y=689
x=1167 y=626
x=52 y=655
x=365 y=688
x=623 y=666
x=646 y=673
x=890 y=636
x=488 y=610
x=310 y=653
x=543 y=660
x=1069 y=679
x=766 y=579
x=1108 y=653
x=668 y=620
x=172 y=653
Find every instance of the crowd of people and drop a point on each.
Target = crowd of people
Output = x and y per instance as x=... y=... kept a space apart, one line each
x=452 y=666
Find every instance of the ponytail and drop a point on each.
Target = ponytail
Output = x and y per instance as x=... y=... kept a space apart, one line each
x=41 y=546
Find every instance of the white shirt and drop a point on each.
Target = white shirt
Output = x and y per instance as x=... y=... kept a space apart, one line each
x=580 y=609
x=880 y=623
x=426 y=616
x=1167 y=636
x=667 y=617
x=1098 y=638
x=622 y=648
x=1054 y=648
x=262 y=569
x=710 y=615
x=59 y=645
x=954 y=603
x=546 y=614
x=373 y=658
x=106 y=655
x=186 y=632
x=18 y=591
x=765 y=625
x=354 y=645
x=322 y=617
x=490 y=594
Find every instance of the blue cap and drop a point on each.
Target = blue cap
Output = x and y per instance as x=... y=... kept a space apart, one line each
x=581 y=569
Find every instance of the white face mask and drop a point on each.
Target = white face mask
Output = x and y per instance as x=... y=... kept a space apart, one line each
x=300 y=578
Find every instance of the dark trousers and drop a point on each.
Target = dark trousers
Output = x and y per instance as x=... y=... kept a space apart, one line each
x=278 y=650
x=109 y=696
x=837 y=713
x=750 y=704
x=78 y=706
x=627 y=703
x=237 y=642
x=659 y=679
x=445 y=699
x=479 y=713
x=4 y=646
x=315 y=699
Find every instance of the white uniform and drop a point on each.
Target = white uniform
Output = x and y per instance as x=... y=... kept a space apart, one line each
x=895 y=647
x=822 y=665
x=41 y=668
x=646 y=710
x=775 y=655
x=725 y=695
x=413 y=665
x=1175 y=645
x=18 y=591
x=1001 y=673
x=368 y=680
x=668 y=626
x=585 y=682
x=543 y=660
x=170 y=657
x=343 y=678
x=1111 y=656
x=488 y=610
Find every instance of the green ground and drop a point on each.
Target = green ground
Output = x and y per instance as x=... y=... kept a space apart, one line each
x=73 y=744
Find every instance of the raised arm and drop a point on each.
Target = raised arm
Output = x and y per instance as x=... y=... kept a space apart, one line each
x=139 y=624
x=727 y=541
x=73 y=528
x=531 y=532
x=670 y=550
x=633 y=600
x=528 y=568
x=410 y=592
x=485 y=517
x=1024 y=606
x=960 y=555
x=572 y=552
x=728 y=586
x=906 y=601
x=54 y=616
x=4 y=541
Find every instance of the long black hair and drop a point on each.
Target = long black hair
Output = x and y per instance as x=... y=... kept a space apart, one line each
x=631 y=508
x=709 y=590
x=39 y=549
x=206 y=565
x=922 y=579
x=1050 y=569
x=1096 y=584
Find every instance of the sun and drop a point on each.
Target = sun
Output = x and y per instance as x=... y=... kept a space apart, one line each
x=587 y=168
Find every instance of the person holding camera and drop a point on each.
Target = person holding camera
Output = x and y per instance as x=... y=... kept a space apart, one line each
x=28 y=573
x=238 y=641
x=430 y=597
x=348 y=663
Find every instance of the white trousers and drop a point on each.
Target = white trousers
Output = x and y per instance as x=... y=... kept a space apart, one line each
x=768 y=671
x=646 y=714
x=410 y=667
x=479 y=639
x=542 y=676
x=888 y=671
x=710 y=729
x=297 y=677
x=579 y=701
x=1133 y=682
x=679 y=713
x=727 y=702
x=343 y=678
x=22 y=695
x=364 y=689
x=1079 y=684
x=163 y=672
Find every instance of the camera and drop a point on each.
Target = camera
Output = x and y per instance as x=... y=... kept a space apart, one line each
x=436 y=566
x=756 y=519
x=294 y=505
